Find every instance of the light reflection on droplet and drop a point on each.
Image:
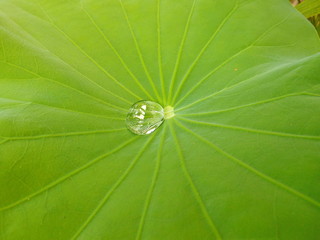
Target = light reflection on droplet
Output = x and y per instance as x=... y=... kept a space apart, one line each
x=144 y=117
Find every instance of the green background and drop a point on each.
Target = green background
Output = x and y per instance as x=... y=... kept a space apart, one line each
x=240 y=160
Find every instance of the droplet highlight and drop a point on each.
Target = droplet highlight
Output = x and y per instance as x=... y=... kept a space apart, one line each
x=144 y=117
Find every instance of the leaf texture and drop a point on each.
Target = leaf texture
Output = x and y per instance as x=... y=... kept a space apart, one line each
x=240 y=159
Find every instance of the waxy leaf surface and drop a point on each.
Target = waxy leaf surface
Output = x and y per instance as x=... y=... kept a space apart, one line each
x=239 y=160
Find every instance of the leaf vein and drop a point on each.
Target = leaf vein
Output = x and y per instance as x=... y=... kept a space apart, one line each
x=113 y=107
x=66 y=134
x=111 y=191
x=252 y=169
x=193 y=187
x=106 y=39
x=183 y=40
x=259 y=131
x=203 y=50
x=89 y=57
x=66 y=63
x=62 y=179
x=139 y=51
x=151 y=189
x=269 y=100
x=228 y=60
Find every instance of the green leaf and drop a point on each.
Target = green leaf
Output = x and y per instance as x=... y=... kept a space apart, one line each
x=239 y=160
x=309 y=8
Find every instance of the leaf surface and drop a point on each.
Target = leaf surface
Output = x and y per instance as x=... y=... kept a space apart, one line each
x=240 y=159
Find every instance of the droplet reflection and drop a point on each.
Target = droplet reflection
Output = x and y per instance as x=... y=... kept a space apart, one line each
x=144 y=117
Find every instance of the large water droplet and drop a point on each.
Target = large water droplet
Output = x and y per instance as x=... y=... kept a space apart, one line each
x=144 y=117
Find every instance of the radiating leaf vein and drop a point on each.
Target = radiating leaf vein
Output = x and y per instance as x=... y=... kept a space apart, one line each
x=227 y=61
x=139 y=51
x=259 y=131
x=106 y=39
x=183 y=40
x=269 y=100
x=185 y=77
x=63 y=178
x=193 y=187
x=65 y=109
x=112 y=190
x=21 y=29
x=90 y=58
x=65 y=134
x=113 y=107
x=252 y=169
x=151 y=189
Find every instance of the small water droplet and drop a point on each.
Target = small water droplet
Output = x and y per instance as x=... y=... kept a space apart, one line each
x=144 y=117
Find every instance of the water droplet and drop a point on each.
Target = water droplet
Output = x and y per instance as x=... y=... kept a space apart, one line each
x=145 y=117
